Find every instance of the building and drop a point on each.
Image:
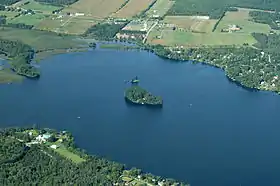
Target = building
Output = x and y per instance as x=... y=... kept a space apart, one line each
x=42 y=138
x=54 y=146
x=231 y=28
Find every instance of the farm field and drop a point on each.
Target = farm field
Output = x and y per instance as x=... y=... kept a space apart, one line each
x=9 y=14
x=191 y=23
x=132 y=8
x=39 y=39
x=189 y=39
x=137 y=26
x=95 y=8
x=38 y=7
x=160 y=8
x=241 y=18
x=67 y=24
x=28 y=19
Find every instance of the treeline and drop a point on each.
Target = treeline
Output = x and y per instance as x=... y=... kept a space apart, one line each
x=272 y=19
x=8 y=2
x=215 y=9
x=104 y=31
x=21 y=55
x=19 y=25
x=3 y=22
x=57 y=2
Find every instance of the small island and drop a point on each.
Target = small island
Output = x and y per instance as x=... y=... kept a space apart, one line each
x=138 y=95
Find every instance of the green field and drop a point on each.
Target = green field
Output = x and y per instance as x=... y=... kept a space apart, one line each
x=69 y=155
x=44 y=8
x=28 y=19
x=6 y=76
x=67 y=24
x=160 y=8
x=241 y=18
x=189 y=39
x=191 y=23
x=40 y=39
x=9 y=14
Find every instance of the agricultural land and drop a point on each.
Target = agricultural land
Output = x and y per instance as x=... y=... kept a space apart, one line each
x=194 y=31
x=133 y=8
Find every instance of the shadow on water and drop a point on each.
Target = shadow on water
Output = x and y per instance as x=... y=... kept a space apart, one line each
x=129 y=104
x=242 y=86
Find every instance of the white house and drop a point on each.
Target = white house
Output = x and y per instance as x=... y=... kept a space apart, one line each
x=54 y=146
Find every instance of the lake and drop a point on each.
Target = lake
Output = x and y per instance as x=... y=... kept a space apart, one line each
x=209 y=132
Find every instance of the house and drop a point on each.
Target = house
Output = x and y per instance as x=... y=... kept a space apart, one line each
x=231 y=28
x=79 y=14
x=54 y=146
x=46 y=136
x=40 y=139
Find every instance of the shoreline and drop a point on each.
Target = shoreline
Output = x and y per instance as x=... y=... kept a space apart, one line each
x=60 y=146
x=123 y=46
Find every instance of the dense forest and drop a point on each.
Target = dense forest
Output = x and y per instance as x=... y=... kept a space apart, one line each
x=104 y=31
x=272 y=19
x=21 y=55
x=254 y=67
x=37 y=164
x=57 y=2
x=215 y=8
x=42 y=166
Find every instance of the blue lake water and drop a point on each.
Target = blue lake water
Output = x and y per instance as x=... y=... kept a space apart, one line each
x=209 y=132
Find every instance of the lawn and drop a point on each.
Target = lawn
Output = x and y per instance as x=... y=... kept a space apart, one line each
x=28 y=19
x=95 y=8
x=132 y=8
x=69 y=155
x=39 y=39
x=191 y=23
x=189 y=39
x=241 y=18
x=160 y=8
x=44 y=8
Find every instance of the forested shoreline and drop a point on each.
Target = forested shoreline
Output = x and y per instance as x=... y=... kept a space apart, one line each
x=20 y=56
x=23 y=161
x=255 y=67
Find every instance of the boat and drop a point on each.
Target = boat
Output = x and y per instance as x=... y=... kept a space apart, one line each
x=133 y=81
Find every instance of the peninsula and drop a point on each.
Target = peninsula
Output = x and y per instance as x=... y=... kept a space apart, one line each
x=32 y=156
x=138 y=95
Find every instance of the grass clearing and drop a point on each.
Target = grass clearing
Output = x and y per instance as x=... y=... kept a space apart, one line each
x=9 y=14
x=7 y=76
x=189 y=39
x=241 y=18
x=38 y=7
x=67 y=24
x=126 y=179
x=191 y=23
x=160 y=8
x=132 y=8
x=95 y=8
x=28 y=19
x=69 y=155
x=40 y=40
